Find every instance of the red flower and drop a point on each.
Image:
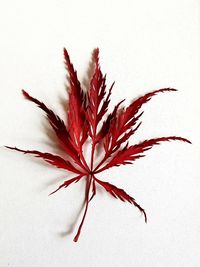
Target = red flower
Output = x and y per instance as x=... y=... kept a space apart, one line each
x=87 y=120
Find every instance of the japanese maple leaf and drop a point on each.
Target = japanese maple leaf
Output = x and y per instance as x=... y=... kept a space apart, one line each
x=87 y=119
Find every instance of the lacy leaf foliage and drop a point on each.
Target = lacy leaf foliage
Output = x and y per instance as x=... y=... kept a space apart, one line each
x=88 y=119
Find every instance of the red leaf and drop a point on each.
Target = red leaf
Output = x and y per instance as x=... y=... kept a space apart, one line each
x=57 y=124
x=85 y=118
x=77 y=124
x=121 y=194
x=67 y=183
x=97 y=105
x=126 y=119
x=107 y=123
x=50 y=158
x=129 y=154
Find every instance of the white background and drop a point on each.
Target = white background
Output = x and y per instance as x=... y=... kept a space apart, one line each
x=144 y=45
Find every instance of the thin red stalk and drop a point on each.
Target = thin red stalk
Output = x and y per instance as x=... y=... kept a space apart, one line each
x=100 y=170
x=92 y=155
x=101 y=162
x=93 y=140
x=84 y=161
x=88 y=186
x=81 y=165
x=86 y=208
x=93 y=144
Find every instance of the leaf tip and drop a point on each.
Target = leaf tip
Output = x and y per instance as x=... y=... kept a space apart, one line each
x=66 y=55
x=145 y=216
x=25 y=94
x=65 y=51
x=173 y=89
x=9 y=147
x=95 y=55
x=76 y=237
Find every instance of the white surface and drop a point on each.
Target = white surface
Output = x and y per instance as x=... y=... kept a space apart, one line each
x=144 y=45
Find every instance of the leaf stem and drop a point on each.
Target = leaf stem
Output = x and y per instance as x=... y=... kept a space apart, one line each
x=101 y=162
x=80 y=164
x=86 y=208
x=93 y=145
x=101 y=169
x=84 y=164
x=92 y=155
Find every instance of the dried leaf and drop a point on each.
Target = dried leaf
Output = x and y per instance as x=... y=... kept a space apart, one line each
x=55 y=160
x=129 y=154
x=121 y=194
x=86 y=122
